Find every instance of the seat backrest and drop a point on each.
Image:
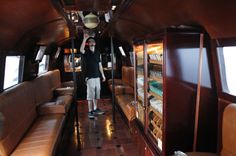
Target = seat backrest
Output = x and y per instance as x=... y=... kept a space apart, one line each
x=43 y=89
x=18 y=111
x=128 y=75
x=131 y=76
x=125 y=74
x=56 y=79
x=229 y=131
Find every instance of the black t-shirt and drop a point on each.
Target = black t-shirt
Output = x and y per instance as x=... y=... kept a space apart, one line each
x=91 y=64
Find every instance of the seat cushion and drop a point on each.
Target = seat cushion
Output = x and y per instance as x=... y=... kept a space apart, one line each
x=64 y=91
x=124 y=101
x=66 y=101
x=59 y=105
x=123 y=89
x=42 y=138
x=68 y=84
x=51 y=108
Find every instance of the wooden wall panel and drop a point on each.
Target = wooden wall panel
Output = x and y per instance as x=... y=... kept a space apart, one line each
x=182 y=56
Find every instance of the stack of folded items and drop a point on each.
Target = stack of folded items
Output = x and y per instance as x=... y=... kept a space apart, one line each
x=155 y=73
x=140 y=81
x=156 y=104
x=141 y=93
x=156 y=87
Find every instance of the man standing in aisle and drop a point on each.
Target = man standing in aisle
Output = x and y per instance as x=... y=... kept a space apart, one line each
x=92 y=70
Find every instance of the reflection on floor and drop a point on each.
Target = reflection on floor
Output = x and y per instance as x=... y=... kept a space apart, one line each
x=100 y=137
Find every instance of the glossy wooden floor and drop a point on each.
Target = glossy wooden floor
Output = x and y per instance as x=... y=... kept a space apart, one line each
x=100 y=136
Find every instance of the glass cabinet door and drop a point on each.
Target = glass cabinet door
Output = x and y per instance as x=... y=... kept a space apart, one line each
x=155 y=92
x=140 y=83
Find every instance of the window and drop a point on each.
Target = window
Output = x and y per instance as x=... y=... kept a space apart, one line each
x=57 y=53
x=40 y=53
x=13 y=71
x=43 y=65
x=227 y=57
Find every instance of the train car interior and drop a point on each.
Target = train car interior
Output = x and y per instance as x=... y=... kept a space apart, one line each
x=117 y=77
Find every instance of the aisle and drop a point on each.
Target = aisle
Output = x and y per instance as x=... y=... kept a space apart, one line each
x=100 y=137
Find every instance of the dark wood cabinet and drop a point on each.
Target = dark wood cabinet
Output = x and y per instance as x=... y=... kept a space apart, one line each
x=166 y=70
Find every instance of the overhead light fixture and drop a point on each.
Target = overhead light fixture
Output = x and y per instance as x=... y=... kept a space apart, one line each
x=91 y=21
x=113 y=7
x=122 y=51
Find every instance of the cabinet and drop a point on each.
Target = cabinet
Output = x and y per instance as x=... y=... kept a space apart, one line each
x=155 y=91
x=166 y=70
x=149 y=82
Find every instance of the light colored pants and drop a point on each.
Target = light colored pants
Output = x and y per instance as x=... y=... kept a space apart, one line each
x=93 y=88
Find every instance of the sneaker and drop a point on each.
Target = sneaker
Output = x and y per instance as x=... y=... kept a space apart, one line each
x=90 y=115
x=98 y=112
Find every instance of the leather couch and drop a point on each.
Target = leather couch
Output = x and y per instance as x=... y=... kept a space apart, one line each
x=50 y=95
x=30 y=126
x=124 y=92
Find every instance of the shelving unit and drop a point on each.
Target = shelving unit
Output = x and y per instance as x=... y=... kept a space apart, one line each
x=165 y=88
x=149 y=64
x=155 y=102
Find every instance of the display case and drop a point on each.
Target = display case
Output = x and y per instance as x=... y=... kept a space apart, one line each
x=140 y=76
x=166 y=79
x=149 y=93
x=155 y=92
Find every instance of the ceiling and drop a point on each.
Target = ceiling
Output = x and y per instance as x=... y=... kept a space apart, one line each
x=43 y=22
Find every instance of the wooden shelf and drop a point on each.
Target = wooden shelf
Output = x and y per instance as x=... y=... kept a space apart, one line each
x=141 y=75
x=156 y=134
x=156 y=141
x=158 y=97
x=155 y=125
x=140 y=110
x=158 y=79
x=155 y=111
x=156 y=138
x=140 y=98
x=155 y=62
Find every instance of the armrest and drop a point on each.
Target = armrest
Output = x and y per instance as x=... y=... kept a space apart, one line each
x=123 y=89
x=51 y=108
x=67 y=84
x=64 y=91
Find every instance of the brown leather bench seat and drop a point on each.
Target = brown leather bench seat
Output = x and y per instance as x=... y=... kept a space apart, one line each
x=228 y=134
x=124 y=92
x=46 y=99
x=124 y=82
x=124 y=101
x=42 y=137
x=33 y=118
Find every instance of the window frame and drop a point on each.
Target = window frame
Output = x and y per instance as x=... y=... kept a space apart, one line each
x=220 y=43
x=20 y=71
x=46 y=64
